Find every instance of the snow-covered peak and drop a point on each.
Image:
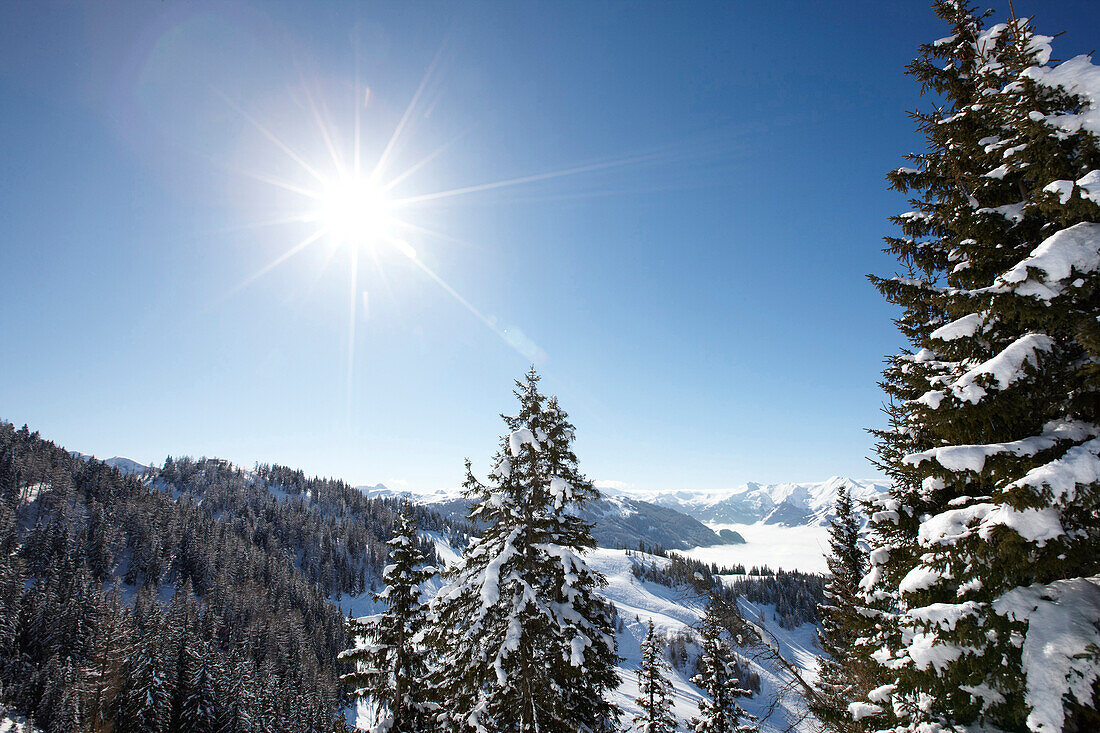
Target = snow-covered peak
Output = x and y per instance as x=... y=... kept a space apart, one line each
x=790 y=503
x=619 y=520
x=794 y=503
x=125 y=465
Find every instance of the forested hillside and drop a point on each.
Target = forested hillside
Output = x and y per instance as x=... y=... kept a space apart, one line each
x=795 y=595
x=195 y=596
x=201 y=596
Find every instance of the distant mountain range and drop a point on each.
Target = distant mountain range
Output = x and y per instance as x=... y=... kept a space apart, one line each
x=671 y=519
x=619 y=521
x=788 y=504
x=675 y=519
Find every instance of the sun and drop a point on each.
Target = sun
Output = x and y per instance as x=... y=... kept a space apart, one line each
x=355 y=212
x=352 y=203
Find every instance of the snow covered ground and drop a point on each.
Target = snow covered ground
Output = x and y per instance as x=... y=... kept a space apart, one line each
x=674 y=611
x=639 y=602
x=790 y=548
x=11 y=723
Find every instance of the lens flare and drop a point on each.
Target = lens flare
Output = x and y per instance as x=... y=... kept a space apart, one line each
x=353 y=205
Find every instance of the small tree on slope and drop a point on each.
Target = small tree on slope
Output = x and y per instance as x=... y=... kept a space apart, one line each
x=654 y=689
x=718 y=710
x=389 y=666
x=524 y=642
x=842 y=676
x=985 y=552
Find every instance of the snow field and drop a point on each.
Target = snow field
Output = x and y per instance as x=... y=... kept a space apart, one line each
x=673 y=611
x=790 y=548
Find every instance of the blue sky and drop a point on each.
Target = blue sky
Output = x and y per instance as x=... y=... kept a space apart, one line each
x=695 y=295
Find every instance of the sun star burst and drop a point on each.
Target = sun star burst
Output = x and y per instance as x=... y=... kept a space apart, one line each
x=356 y=212
x=352 y=206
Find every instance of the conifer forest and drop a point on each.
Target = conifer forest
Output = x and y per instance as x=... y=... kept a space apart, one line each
x=515 y=586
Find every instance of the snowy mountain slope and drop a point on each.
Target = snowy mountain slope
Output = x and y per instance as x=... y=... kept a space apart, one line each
x=788 y=504
x=126 y=465
x=620 y=521
x=674 y=611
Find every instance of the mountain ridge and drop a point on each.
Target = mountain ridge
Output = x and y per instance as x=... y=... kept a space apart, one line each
x=788 y=503
x=618 y=521
x=785 y=503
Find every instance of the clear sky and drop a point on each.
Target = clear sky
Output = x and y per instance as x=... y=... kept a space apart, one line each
x=694 y=291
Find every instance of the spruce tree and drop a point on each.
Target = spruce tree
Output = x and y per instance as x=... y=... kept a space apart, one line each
x=110 y=645
x=236 y=713
x=986 y=550
x=12 y=579
x=60 y=707
x=843 y=677
x=270 y=718
x=389 y=666
x=525 y=643
x=198 y=709
x=146 y=700
x=654 y=688
x=718 y=709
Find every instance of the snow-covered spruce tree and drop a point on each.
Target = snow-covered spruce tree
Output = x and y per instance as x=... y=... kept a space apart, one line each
x=986 y=550
x=718 y=710
x=654 y=688
x=146 y=698
x=389 y=667
x=523 y=641
x=145 y=702
x=111 y=643
x=198 y=705
x=236 y=714
x=843 y=677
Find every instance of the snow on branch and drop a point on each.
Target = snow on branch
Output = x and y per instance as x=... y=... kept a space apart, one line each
x=1060 y=656
x=964 y=327
x=1078 y=76
x=1088 y=187
x=519 y=438
x=945 y=528
x=1070 y=252
x=1005 y=368
x=944 y=615
x=1079 y=466
x=973 y=457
